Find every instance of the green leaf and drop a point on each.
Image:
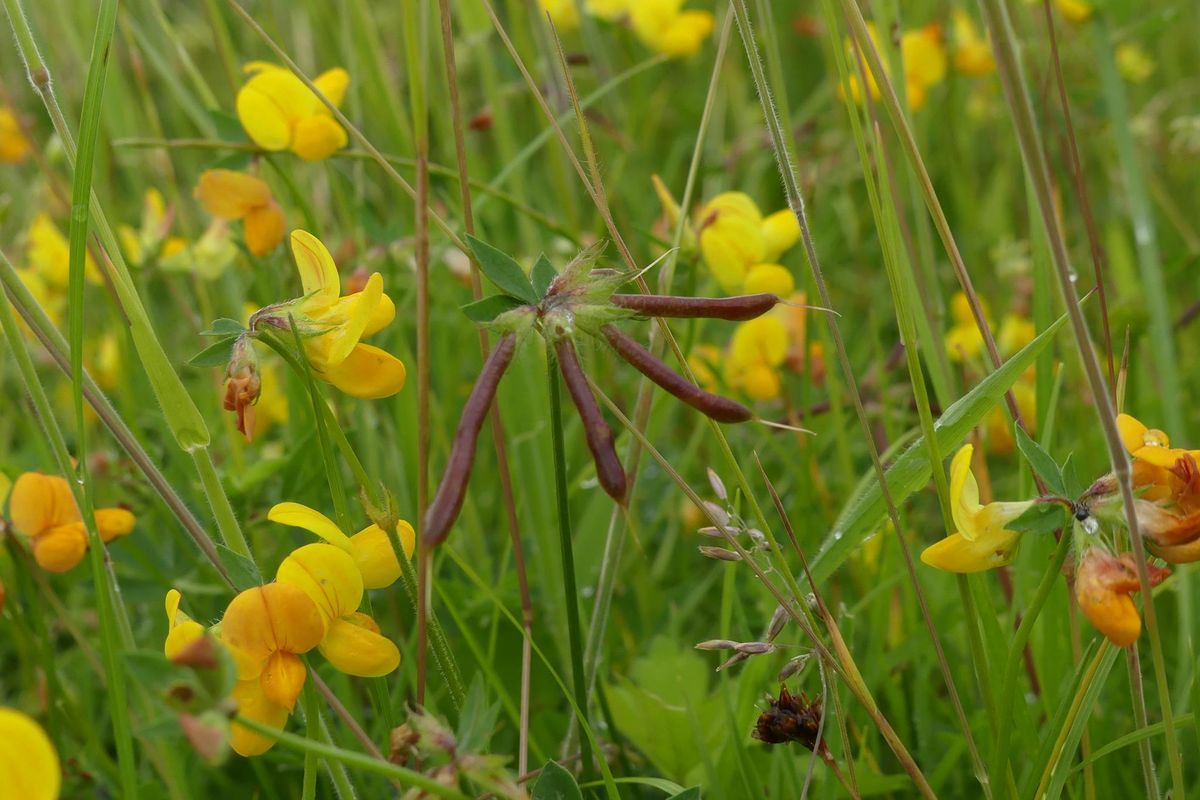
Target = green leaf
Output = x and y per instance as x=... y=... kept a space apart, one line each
x=502 y=270
x=691 y=793
x=215 y=355
x=224 y=327
x=1071 y=481
x=1040 y=461
x=487 y=309
x=1040 y=518
x=555 y=783
x=543 y=275
x=911 y=470
x=242 y=571
x=228 y=126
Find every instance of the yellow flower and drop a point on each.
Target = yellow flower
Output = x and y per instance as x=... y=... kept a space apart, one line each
x=14 y=146
x=208 y=256
x=703 y=361
x=758 y=348
x=1103 y=583
x=1015 y=332
x=662 y=25
x=331 y=579
x=1134 y=63
x=151 y=240
x=370 y=548
x=280 y=113
x=563 y=12
x=922 y=55
x=964 y=340
x=972 y=53
x=182 y=630
x=29 y=766
x=233 y=195
x=334 y=325
x=1149 y=444
x=268 y=627
x=42 y=509
x=1075 y=10
x=735 y=238
x=981 y=541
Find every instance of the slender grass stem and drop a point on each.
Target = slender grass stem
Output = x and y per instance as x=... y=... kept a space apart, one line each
x=312 y=729
x=567 y=552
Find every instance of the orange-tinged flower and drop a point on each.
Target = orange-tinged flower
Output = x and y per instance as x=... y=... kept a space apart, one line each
x=14 y=146
x=43 y=510
x=981 y=541
x=334 y=325
x=280 y=113
x=29 y=766
x=1103 y=583
x=233 y=195
x=370 y=548
x=331 y=579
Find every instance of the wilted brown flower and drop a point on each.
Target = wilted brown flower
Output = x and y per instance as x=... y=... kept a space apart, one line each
x=792 y=718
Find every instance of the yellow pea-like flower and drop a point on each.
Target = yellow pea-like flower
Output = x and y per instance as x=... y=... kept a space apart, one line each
x=563 y=13
x=14 y=146
x=770 y=278
x=231 y=195
x=43 y=510
x=736 y=239
x=981 y=541
x=279 y=112
x=334 y=325
x=331 y=579
x=1075 y=10
x=29 y=765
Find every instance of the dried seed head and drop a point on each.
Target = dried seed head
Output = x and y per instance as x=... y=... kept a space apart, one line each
x=719 y=553
x=755 y=648
x=718 y=486
x=716 y=513
x=794 y=666
x=778 y=620
x=734 y=659
x=791 y=718
x=717 y=644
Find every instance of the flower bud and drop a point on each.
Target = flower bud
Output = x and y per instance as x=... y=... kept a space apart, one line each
x=243 y=385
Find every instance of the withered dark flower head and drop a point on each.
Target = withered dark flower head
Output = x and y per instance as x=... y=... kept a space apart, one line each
x=791 y=718
x=560 y=306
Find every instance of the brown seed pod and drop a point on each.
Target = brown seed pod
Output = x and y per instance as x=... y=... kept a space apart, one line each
x=609 y=471
x=722 y=409
x=735 y=309
x=791 y=718
x=449 y=498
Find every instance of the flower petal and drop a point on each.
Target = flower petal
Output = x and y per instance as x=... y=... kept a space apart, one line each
x=254 y=704
x=283 y=678
x=311 y=520
x=231 y=195
x=29 y=766
x=332 y=83
x=317 y=137
x=39 y=502
x=268 y=106
x=1132 y=432
x=343 y=339
x=113 y=523
x=770 y=278
x=964 y=493
x=278 y=616
x=355 y=647
x=328 y=575
x=368 y=373
x=61 y=548
x=317 y=271
x=263 y=228
x=956 y=553
x=372 y=551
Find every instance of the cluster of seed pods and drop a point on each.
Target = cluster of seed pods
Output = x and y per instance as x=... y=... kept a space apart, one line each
x=447 y=503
